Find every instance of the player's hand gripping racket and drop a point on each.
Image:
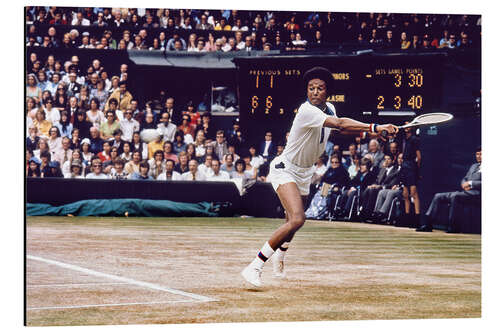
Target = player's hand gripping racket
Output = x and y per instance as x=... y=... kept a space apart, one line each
x=425 y=119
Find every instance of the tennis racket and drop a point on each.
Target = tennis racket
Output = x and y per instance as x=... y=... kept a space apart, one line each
x=426 y=119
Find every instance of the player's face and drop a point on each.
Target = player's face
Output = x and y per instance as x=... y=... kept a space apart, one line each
x=478 y=157
x=316 y=92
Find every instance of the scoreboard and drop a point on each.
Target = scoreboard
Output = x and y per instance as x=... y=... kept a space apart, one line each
x=366 y=88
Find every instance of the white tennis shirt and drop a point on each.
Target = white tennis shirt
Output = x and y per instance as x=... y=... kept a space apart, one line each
x=308 y=137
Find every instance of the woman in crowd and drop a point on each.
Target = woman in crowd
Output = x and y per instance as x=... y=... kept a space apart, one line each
x=51 y=114
x=86 y=153
x=405 y=43
x=94 y=115
x=33 y=138
x=105 y=154
x=191 y=151
x=138 y=145
x=60 y=98
x=354 y=167
x=55 y=140
x=108 y=127
x=210 y=44
x=54 y=83
x=240 y=171
x=66 y=167
x=199 y=144
x=75 y=138
x=64 y=126
x=76 y=170
x=50 y=67
x=43 y=126
x=32 y=89
x=127 y=151
x=179 y=144
x=42 y=80
x=31 y=108
x=191 y=44
x=100 y=94
x=43 y=146
x=82 y=124
x=34 y=168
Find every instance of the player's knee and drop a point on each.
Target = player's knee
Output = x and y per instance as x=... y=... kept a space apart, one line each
x=297 y=220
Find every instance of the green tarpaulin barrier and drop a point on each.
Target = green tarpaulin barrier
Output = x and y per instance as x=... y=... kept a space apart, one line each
x=129 y=207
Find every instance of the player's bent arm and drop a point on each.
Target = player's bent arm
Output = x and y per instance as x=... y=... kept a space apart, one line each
x=348 y=124
x=419 y=158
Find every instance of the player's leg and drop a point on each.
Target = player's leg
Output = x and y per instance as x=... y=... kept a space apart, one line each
x=291 y=200
x=278 y=258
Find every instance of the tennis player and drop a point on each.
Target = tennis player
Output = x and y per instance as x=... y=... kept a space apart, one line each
x=290 y=173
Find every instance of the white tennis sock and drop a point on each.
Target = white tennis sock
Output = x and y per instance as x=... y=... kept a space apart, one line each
x=265 y=253
x=281 y=251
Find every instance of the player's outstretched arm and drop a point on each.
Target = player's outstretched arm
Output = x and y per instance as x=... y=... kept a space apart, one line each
x=348 y=124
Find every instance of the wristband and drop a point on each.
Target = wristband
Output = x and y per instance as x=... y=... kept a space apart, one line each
x=373 y=128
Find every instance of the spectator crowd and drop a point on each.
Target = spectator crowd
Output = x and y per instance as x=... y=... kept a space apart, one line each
x=84 y=122
x=234 y=30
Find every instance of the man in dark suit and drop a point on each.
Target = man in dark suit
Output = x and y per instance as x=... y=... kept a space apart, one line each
x=267 y=148
x=387 y=178
x=73 y=86
x=471 y=191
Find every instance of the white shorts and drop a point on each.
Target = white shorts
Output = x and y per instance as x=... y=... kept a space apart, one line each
x=289 y=173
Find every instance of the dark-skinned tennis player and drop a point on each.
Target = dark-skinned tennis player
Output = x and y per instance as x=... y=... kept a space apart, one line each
x=290 y=173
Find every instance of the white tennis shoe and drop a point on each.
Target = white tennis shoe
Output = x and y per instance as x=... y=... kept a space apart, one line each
x=252 y=275
x=278 y=265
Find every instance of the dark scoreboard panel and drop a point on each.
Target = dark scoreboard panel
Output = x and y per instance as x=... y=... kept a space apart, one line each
x=368 y=88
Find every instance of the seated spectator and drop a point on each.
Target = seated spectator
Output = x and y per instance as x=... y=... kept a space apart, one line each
x=75 y=138
x=454 y=201
x=166 y=128
x=139 y=145
x=64 y=126
x=108 y=127
x=363 y=178
x=168 y=152
x=108 y=164
x=156 y=144
x=193 y=173
x=228 y=165
x=96 y=170
x=170 y=46
x=156 y=164
x=169 y=173
x=182 y=166
x=86 y=153
x=81 y=124
x=206 y=166
x=33 y=138
x=255 y=160
x=118 y=172
x=32 y=89
x=62 y=153
x=268 y=148
x=45 y=158
x=122 y=95
x=186 y=126
x=76 y=170
x=54 y=141
x=133 y=165
x=99 y=92
x=66 y=165
x=54 y=170
x=117 y=141
x=387 y=178
x=376 y=153
x=34 y=168
x=179 y=144
x=113 y=107
x=128 y=125
x=218 y=174
x=105 y=154
x=386 y=196
x=248 y=166
x=149 y=122
x=96 y=143
x=51 y=114
x=220 y=145
x=127 y=151
x=319 y=169
x=240 y=171
x=94 y=115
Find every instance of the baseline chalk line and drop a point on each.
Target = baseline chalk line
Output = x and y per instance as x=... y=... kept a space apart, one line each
x=105 y=305
x=122 y=279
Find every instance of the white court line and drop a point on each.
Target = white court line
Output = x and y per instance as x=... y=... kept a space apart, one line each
x=104 y=305
x=75 y=284
x=122 y=279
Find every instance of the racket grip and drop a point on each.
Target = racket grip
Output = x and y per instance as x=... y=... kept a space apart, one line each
x=384 y=134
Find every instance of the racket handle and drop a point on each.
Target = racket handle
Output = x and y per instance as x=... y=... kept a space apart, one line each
x=384 y=134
